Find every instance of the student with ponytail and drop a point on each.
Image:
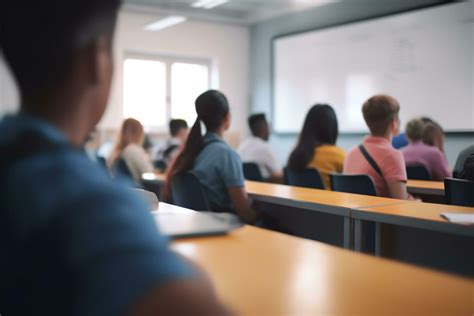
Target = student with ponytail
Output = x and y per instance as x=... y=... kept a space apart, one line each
x=217 y=166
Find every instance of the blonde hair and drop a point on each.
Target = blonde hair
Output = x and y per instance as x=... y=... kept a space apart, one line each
x=131 y=133
x=414 y=130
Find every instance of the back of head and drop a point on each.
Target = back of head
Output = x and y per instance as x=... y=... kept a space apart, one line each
x=176 y=125
x=42 y=39
x=431 y=134
x=320 y=128
x=414 y=130
x=212 y=110
x=379 y=111
x=257 y=124
x=467 y=172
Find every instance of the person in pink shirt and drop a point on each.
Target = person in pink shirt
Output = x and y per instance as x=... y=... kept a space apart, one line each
x=388 y=168
x=419 y=154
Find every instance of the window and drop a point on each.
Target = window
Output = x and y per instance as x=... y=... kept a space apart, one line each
x=158 y=89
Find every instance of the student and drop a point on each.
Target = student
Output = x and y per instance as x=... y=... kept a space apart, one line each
x=217 y=166
x=388 y=169
x=467 y=172
x=417 y=153
x=129 y=147
x=256 y=149
x=400 y=141
x=316 y=147
x=179 y=133
x=433 y=134
x=73 y=242
x=462 y=158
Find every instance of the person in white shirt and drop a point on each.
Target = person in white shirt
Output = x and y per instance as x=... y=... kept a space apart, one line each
x=129 y=147
x=179 y=131
x=256 y=149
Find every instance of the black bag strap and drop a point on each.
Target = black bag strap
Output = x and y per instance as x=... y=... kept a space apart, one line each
x=370 y=160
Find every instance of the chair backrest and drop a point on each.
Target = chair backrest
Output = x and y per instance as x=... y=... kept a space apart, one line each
x=252 y=172
x=418 y=173
x=187 y=191
x=121 y=169
x=354 y=183
x=459 y=192
x=308 y=178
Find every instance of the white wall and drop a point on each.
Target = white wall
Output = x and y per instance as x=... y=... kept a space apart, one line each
x=225 y=45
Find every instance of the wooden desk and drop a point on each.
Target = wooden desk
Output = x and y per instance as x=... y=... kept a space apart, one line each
x=259 y=272
x=415 y=232
x=316 y=214
x=426 y=187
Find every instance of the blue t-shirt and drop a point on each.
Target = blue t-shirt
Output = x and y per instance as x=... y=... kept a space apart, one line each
x=75 y=243
x=400 y=141
x=218 y=168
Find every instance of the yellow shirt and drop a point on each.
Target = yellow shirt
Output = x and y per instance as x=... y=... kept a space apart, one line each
x=328 y=159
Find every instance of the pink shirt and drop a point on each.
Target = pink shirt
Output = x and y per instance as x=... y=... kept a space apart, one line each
x=389 y=160
x=430 y=157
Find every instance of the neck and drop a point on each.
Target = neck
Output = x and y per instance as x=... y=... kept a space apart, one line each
x=70 y=123
x=220 y=132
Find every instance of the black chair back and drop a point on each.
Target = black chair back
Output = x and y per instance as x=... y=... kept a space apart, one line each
x=354 y=183
x=187 y=191
x=252 y=172
x=121 y=169
x=308 y=178
x=459 y=192
x=418 y=173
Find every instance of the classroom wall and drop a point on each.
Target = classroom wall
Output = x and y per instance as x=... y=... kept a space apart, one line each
x=261 y=35
x=227 y=47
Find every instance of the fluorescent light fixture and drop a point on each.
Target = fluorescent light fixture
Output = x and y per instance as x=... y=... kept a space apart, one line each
x=165 y=23
x=208 y=4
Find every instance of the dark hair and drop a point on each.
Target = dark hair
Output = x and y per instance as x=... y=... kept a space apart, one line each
x=428 y=120
x=212 y=108
x=41 y=40
x=320 y=127
x=378 y=112
x=430 y=133
x=176 y=125
x=256 y=122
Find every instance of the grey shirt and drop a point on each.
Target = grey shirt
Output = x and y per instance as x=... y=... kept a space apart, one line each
x=462 y=158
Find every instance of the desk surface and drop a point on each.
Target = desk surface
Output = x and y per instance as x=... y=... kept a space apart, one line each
x=337 y=199
x=259 y=272
x=417 y=214
x=426 y=187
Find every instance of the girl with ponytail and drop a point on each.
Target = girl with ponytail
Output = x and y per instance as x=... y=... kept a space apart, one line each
x=217 y=166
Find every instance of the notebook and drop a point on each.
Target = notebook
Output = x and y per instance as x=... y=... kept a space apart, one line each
x=186 y=223
x=459 y=218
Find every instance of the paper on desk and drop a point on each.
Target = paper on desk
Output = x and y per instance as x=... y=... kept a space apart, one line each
x=459 y=218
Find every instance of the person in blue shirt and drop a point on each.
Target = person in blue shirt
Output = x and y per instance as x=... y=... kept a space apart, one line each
x=72 y=242
x=217 y=166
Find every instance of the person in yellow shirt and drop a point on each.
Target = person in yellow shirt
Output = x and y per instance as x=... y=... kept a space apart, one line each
x=316 y=147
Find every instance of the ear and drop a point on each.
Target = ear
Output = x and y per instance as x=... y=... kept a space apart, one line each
x=102 y=59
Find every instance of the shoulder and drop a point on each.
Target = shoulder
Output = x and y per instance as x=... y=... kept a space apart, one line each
x=134 y=149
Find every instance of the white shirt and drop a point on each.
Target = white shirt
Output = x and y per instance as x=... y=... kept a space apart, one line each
x=137 y=160
x=256 y=150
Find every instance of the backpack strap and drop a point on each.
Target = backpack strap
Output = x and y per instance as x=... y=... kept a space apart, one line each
x=370 y=160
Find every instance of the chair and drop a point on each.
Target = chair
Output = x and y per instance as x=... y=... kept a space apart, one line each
x=102 y=162
x=187 y=191
x=418 y=173
x=459 y=192
x=160 y=164
x=308 y=178
x=252 y=172
x=121 y=169
x=354 y=183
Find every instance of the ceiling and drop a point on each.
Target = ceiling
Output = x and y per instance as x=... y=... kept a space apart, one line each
x=243 y=12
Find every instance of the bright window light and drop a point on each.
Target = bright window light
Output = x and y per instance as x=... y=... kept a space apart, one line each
x=144 y=91
x=188 y=81
x=165 y=23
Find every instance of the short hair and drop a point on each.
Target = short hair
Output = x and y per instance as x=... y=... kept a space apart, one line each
x=255 y=122
x=41 y=40
x=378 y=112
x=176 y=125
x=414 y=129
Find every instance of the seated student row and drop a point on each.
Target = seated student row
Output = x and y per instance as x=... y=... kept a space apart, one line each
x=219 y=168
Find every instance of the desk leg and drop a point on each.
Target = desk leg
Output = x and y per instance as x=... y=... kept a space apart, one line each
x=378 y=239
x=358 y=235
x=347 y=233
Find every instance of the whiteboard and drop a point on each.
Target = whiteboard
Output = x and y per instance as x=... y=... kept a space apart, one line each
x=423 y=58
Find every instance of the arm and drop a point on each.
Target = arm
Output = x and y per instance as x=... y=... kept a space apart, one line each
x=240 y=200
x=398 y=190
